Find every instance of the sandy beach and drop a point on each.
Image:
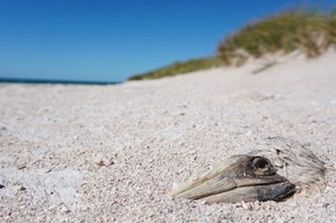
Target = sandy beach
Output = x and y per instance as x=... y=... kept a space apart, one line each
x=111 y=153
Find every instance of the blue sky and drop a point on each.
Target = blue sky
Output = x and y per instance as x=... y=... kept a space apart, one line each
x=111 y=40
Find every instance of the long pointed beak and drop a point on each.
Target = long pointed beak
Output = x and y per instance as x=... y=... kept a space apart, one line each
x=226 y=183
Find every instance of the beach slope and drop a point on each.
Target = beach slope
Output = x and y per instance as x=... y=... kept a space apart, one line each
x=111 y=153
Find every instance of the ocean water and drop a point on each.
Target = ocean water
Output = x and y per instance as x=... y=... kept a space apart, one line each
x=46 y=81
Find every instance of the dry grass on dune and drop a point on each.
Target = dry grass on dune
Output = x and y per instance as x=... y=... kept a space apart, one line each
x=307 y=31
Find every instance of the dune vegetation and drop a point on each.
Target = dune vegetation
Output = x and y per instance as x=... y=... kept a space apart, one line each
x=180 y=68
x=311 y=32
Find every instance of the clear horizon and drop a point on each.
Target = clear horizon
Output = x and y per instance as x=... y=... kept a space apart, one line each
x=111 y=40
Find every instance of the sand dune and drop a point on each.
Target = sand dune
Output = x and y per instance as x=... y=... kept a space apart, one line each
x=111 y=153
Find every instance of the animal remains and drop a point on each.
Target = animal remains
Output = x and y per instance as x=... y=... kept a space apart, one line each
x=274 y=170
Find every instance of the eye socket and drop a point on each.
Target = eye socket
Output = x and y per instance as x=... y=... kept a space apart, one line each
x=260 y=163
x=262 y=166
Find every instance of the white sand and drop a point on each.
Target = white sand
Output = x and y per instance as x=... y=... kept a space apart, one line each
x=110 y=153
